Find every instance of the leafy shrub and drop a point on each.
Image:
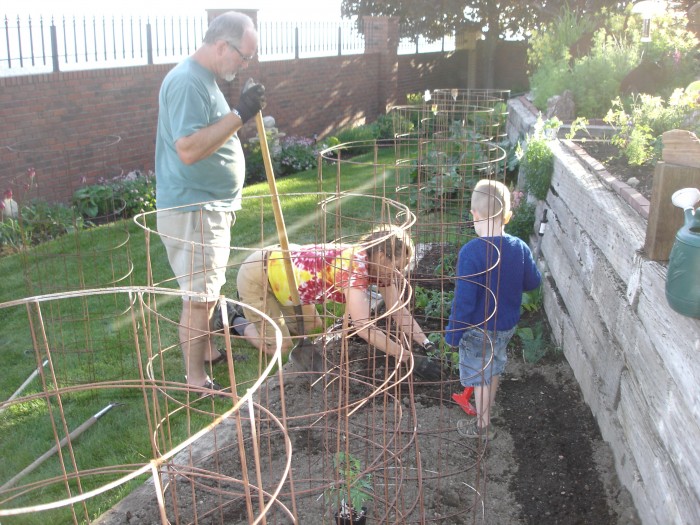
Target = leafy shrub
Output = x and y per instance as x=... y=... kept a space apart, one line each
x=363 y=136
x=552 y=43
x=94 y=200
x=296 y=154
x=389 y=125
x=640 y=123
x=433 y=303
x=127 y=194
x=596 y=79
x=137 y=190
x=537 y=160
x=254 y=164
x=38 y=222
x=522 y=222
x=616 y=50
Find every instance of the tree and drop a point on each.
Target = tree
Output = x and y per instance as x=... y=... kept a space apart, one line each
x=498 y=19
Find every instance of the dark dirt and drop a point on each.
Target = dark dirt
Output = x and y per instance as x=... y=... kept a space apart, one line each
x=640 y=178
x=547 y=465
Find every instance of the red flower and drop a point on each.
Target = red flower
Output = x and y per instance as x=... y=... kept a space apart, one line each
x=8 y=194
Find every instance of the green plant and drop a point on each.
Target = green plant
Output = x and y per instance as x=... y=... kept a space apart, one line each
x=447 y=168
x=592 y=55
x=537 y=160
x=579 y=124
x=11 y=234
x=361 y=138
x=444 y=351
x=296 y=154
x=531 y=301
x=533 y=338
x=386 y=126
x=352 y=489
x=137 y=190
x=534 y=345
x=522 y=221
x=94 y=200
x=447 y=264
x=127 y=195
x=433 y=303
x=640 y=123
x=254 y=166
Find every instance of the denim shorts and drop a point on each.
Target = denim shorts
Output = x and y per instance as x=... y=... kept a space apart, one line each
x=482 y=355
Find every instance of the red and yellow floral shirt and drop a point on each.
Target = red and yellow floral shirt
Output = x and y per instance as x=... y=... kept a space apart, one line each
x=322 y=273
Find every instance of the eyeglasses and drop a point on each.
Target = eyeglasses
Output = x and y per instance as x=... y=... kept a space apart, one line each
x=245 y=58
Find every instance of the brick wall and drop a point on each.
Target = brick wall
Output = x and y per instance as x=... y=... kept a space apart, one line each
x=66 y=125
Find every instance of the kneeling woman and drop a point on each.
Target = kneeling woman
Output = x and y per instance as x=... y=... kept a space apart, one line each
x=331 y=272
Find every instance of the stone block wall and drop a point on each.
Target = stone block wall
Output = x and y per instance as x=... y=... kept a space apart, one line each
x=636 y=359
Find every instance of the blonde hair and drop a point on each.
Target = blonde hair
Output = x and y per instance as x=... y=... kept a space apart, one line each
x=491 y=199
x=390 y=240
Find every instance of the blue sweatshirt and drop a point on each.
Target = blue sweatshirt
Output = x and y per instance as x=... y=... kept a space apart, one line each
x=483 y=280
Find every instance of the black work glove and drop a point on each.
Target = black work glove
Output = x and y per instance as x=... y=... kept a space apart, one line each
x=252 y=100
x=430 y=348
x=427 y=368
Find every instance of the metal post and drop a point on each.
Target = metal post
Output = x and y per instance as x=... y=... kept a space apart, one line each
x=54 y=47
x=149 y=43
x=296 y=42
x=340 y=40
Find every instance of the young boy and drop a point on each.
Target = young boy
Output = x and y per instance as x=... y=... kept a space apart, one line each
x=493 y=270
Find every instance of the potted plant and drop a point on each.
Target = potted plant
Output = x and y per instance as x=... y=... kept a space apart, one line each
x=351 y=491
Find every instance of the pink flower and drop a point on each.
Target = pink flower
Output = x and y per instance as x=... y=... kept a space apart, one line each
x=8 y=193
x=31 y=172
x=677 y=56
x=517 y=197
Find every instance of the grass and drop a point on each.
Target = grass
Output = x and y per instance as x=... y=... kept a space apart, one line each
x=91 y=336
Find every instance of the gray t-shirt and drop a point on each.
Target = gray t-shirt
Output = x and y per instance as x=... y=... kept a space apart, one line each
x=190 y=100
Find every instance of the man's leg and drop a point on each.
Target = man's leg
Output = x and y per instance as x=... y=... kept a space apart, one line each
x=195 y=341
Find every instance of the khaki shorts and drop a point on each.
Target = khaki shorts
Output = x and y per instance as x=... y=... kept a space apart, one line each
x=254 y=290
x=198 y=244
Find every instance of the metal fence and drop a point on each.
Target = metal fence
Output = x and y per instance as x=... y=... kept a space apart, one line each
x=89 y=42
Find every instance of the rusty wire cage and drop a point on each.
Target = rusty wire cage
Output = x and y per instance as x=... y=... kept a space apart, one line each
x=360 y=408
x=82 y=361
x=441 y=149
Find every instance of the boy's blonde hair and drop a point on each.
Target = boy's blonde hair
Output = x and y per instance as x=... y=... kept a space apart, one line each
x=491 y=199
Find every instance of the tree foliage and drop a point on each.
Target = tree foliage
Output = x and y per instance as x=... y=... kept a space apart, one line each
x=496 y=18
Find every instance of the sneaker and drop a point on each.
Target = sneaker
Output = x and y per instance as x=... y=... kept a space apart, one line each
x=469 y=429
x=233 y=310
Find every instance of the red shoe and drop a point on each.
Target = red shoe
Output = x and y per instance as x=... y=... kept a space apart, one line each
x=463 y=400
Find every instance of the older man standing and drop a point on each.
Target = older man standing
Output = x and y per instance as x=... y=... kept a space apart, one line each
x=200 y=170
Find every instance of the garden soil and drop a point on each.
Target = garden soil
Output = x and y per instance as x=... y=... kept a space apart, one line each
x=547 y=464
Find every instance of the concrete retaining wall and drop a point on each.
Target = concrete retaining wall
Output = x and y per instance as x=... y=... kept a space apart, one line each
x=637 y=361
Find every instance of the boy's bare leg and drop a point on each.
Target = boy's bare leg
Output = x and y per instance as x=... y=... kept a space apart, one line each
x=484 y=397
